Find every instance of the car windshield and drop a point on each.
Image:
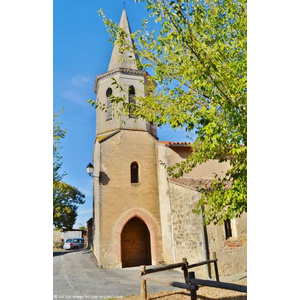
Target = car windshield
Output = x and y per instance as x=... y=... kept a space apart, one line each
x=68 y=240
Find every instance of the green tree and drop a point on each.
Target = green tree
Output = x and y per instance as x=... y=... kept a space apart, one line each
x=58 y=135
x=65 y=204
x=66 y=198
x=82 y=227
x=198 y=59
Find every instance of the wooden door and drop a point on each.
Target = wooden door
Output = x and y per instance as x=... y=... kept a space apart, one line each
x=135 y=244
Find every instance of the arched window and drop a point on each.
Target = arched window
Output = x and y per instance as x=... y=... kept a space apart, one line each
x=108 y=104
x=134 y=170
x=228 y=230
x=131 y=98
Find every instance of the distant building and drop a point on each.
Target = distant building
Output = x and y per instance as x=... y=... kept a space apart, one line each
x=60 y=236
x=89 y=233
x=141 y=216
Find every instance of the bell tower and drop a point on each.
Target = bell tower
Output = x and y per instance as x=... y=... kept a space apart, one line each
x=127 y=226
x=122 y=68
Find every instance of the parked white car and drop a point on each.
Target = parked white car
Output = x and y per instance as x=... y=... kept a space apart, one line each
x=74 y=243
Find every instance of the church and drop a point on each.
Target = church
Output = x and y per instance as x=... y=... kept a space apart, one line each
x=141 y=216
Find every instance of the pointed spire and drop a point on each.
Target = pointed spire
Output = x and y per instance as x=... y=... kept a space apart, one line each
x=127 y=55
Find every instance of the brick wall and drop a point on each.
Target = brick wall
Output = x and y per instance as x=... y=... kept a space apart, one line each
x=118 y=197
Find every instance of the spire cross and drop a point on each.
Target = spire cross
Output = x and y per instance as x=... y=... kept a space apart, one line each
x=124 y=5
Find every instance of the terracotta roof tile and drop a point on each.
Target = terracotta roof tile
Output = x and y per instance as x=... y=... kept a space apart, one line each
x=192 y=183
x=174 y=143
x=195 y=183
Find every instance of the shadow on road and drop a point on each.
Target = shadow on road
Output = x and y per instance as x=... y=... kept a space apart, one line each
x=58 y=253
x=63 y=252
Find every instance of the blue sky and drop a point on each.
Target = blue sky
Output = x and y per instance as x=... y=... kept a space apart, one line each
x=81 y=51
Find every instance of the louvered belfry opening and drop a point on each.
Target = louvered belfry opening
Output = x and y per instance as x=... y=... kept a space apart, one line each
x=108 y=104
x=132 y=101
x=135 y=244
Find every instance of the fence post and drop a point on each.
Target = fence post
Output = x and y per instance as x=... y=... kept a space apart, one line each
x=185 y=268
x=143 y=284
x=216 y=266
x=193 y=293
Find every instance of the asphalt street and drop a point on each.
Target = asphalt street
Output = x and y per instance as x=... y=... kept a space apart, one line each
x=77 y=276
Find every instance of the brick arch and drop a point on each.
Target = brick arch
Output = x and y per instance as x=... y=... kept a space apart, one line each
x=152 y=227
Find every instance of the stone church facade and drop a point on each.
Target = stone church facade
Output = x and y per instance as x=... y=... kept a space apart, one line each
x=140 y=215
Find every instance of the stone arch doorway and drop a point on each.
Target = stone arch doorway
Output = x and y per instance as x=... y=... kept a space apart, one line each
x=135 y=244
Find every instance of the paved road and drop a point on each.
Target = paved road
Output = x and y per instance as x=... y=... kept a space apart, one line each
x=76 y=276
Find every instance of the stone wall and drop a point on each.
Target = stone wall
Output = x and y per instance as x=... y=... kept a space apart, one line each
x=187 y=229
x=231 y=252
x=169 y=156
x=188 y=237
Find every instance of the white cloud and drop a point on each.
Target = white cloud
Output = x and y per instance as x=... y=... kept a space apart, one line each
x=77 y=89
x=80 y=81
x=75 y=97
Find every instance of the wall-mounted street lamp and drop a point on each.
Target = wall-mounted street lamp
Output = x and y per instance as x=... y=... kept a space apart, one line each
x=103 y=178
x=90 y=169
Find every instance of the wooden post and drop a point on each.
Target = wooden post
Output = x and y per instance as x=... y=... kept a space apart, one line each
x=216 y=266
x=143 y=284
x=164 y=268
x=219 y=285
x=185 y=268
x=193 y=293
